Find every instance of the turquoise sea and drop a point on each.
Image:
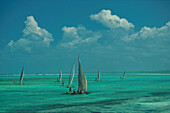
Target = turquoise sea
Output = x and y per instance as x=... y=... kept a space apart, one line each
x=137 y=93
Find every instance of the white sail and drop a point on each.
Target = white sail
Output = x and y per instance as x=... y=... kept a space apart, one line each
x=60 y=77
x=71 y=75
x=82 y=82
x=21 y=77
x=98 y=74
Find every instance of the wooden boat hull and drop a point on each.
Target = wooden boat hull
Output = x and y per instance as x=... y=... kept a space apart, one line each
x=71 y=93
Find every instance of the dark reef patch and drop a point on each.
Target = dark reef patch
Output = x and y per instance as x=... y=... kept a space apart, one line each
x=160 y=94
x=55 y=106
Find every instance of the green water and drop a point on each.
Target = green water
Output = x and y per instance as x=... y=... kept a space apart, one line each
x=137 y=93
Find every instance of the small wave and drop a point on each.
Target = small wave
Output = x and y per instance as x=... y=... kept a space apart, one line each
x=156 y=104
x=10 y=75
x=39 y=74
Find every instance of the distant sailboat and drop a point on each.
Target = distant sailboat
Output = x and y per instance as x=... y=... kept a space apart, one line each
x=98 y=75
x=123 y=75
x=82 y=82
x=71 y=75
x=21 y=77
x=60 y=77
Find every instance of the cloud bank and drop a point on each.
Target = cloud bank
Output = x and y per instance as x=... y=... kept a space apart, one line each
x=147 y=32
x=35 y=37
x=120 y=46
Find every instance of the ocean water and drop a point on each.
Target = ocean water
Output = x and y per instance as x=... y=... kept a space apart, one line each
x=137 y=93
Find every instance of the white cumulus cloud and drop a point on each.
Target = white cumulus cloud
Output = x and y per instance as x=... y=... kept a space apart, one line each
x=147 y=32
x=73 y=36
x=33 y=37
x=111 y=21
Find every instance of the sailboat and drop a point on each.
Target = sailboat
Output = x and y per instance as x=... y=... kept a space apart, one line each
x=98 y=75
x=21 y=77
x=123 y=75
x=60 y=77
x=82 y=82
x=71 y=75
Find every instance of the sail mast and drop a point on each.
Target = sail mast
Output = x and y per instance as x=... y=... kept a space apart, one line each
x=82 y=82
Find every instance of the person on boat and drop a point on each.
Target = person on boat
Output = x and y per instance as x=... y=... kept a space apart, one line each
x=81 y=92
x=63 y=83
x=74 y=91
x=70 y=89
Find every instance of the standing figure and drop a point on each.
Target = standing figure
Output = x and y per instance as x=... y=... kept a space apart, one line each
x=70 y=89
x=63 y=83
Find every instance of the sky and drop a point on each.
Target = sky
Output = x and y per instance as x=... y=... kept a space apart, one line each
x=113 y=35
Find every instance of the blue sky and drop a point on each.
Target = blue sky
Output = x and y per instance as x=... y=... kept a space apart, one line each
x=113 y=35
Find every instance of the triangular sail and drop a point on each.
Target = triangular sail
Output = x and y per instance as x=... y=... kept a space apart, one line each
x=82 y=82
x=71 y=75
x=21 y=77
x=98 y=75
x=60 y=77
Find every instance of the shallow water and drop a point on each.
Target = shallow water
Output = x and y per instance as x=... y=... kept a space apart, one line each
x=137 y=93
